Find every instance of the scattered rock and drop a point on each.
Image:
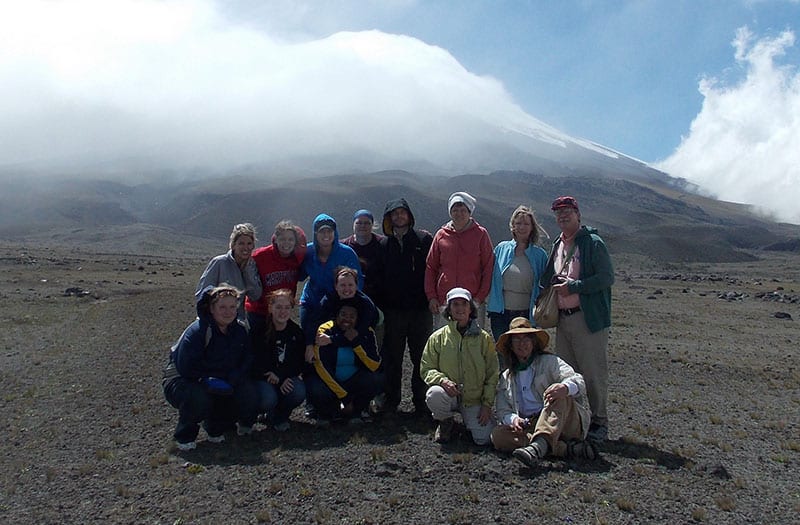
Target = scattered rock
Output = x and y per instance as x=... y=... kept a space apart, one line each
x=74 y=291
x=783 y=315
x=732 y=296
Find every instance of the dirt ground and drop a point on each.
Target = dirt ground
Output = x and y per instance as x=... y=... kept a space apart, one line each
x=704 y=412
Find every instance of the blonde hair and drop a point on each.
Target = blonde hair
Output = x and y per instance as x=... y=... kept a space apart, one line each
x=536 y=228
x=244 y=228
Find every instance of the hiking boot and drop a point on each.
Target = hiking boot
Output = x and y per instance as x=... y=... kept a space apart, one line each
x=216 y=439
x=582 y=450
x=191 y=445
x=378 y=404
x=597 y=433
x=444 y=431
x=529 y=455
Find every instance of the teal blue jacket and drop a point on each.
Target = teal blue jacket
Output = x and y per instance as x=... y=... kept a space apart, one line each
x=595 y=279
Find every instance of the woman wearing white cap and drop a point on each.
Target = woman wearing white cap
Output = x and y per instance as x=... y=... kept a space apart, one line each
x=461 y=256
x=459 y=365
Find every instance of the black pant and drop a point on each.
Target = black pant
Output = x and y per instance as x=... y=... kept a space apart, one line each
x=401 y=327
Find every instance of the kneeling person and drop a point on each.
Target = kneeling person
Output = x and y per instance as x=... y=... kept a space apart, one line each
x=541 y=401
x=346 y=375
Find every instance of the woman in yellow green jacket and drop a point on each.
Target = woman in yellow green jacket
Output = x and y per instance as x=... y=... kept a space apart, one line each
x=459 y=365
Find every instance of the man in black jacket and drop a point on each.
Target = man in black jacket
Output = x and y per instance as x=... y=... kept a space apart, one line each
x=403 y=301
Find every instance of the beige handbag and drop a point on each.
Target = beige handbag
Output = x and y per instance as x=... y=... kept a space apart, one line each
x=545 y=312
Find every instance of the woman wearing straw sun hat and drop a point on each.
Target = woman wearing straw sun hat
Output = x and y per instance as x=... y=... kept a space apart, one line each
x=541 y=401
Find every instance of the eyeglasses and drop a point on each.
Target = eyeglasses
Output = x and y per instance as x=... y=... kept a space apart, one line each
x=562 y=212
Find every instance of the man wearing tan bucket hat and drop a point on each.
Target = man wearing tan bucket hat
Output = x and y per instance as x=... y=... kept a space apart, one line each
x=541 y=401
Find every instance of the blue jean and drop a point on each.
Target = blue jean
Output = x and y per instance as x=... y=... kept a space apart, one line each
x=277 y=405
x=217 y=413
x=361 y=387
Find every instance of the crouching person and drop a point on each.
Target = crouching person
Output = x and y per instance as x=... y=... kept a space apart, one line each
x=279 y=356
x=541 y=401
x=345 y=376
x=207 y=378
x=459 y=363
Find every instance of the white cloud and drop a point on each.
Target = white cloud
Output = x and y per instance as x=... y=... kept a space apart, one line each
x=177 y=82
x=744 y=145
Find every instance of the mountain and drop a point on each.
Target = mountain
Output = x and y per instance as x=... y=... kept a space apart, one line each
x=648 y=216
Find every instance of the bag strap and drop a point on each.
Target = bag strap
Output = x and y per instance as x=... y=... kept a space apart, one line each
x=568 y=259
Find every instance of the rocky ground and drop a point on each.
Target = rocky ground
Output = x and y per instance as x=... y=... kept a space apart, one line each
x=704 y=410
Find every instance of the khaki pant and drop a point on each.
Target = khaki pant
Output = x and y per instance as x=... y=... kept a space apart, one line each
x=558 y=422
x=442 y=406
x=586 y=352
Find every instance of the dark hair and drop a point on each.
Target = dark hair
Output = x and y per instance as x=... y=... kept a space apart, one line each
x=345 y=270
x=473 y=311
x=512 y=358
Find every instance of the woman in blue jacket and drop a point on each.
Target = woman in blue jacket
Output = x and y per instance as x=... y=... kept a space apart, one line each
x=518 y=265
x=323 y=256
x=207 y=379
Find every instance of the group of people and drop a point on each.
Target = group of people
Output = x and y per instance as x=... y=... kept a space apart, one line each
x=368 y=297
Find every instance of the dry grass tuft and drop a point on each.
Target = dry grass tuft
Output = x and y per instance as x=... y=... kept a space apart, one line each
x=624 y=504
x=699 y=514
x=378 y=454
x=725 y=502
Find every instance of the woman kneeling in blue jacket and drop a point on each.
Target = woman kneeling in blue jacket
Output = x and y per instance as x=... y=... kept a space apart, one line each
x=207 y=378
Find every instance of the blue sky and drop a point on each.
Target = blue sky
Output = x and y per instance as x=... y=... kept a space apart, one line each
x=705 y=90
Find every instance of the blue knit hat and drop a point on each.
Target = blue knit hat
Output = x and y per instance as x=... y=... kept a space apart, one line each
x=364 y=213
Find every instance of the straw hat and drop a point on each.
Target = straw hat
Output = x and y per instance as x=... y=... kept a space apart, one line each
x=520 y=325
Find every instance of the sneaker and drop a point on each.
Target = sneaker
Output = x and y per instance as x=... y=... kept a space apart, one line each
x=243 y=430
x=597 y=433
x=282 y=427
x=216 y=439
x=444 y=431
x=310 y=411
x=191 y=445
x=529 y=455
x=378 y=403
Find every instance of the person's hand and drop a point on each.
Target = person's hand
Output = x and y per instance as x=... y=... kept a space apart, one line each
x=323 y=339
x=517 y=425
x=433 y=306
x=287 y=386
x=350 y=334
x=561 y=288
x=272 y=379
x=450 y=388
x=554 y=392
x=484 y=415
x=309 y=353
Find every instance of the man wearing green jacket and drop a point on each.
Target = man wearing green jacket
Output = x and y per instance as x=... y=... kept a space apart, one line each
x=580 y=270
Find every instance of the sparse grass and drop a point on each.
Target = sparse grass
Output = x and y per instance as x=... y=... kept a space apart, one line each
x=625 y=504
x=306 y=491
x=699 y=514
x=463 y=457
x=102 y=453
x=646 y=430
x=393 y=500
x=49 y=474
x=791 y=444
x=122 y=491
x=725 y=502
x=275 y=488
x=378 y=454
x=587 y=496
x=739 y=483
x=157 y=460
x=195 y=468
x=714 y=419
x=358 y=439
x=685 y=451
x=262 y=516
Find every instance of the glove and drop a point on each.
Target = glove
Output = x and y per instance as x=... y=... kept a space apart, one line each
x=215 y=385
